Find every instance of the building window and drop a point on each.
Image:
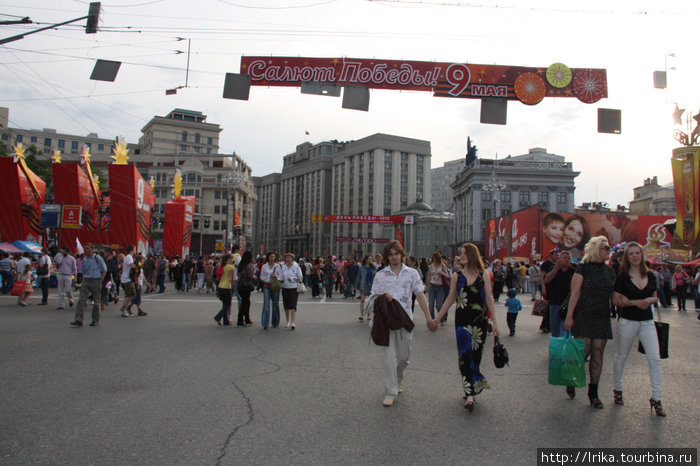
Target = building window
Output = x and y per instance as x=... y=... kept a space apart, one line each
x=505 y=196
x=404 y=202
x=371 y=164
x=217 y=209
x=196 y=149
x=485 y=195
x=100 y=147
x=183 y=148
x=419 y=158
x=387 y=200
x=505 y=212
x=184 y=136
x=387 y=188
x=543 y=198
x=33 y=139
x=404 y=190
x=217 y=194
x=404 y=167
x=404 y=156
x=61 y=144
x=387 y=176
x=388 y=154
x=419 y=194
x=419 y=169
x=561 y=198
x=19 y=138
x=197 y=138
x=419 y=180
x=47 y=142
x=404 y=179
x=210 y=141
x=74 y=145
x=216 y=225
x=524 y=198
x=486 y=214
x=387 y=164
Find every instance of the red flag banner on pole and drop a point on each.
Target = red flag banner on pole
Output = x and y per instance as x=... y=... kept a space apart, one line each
x=20 y=209
x=177 y=230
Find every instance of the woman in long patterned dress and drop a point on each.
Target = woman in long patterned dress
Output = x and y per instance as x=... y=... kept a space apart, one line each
x=588 y=315
x=471 y=288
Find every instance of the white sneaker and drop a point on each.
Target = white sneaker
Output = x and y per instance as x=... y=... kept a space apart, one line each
x=388 y=401
x=293 y=327
x=125 y=313
x=288 y=324
x=401 y=387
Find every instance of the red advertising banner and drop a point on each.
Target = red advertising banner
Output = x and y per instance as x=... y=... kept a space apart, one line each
x=398 y=236
x=525 y=231
x=71 y=217
x=393 y=219
x=71 y=186
x=20 y=202
x=130 y=208
x=350 y=239
x=497 y=238
x=177 y=229
x=527 y=84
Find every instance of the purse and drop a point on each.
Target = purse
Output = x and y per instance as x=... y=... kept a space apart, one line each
x=275 y=285
x=245 y=283
x=540 y=307
x=301 y=288
x=18 y=288
x=500 y=354
x=662 y=333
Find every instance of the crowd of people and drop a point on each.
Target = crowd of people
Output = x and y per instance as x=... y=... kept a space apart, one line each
x=581 y=298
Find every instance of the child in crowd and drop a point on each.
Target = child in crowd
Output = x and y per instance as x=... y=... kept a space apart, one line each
x=514 y=306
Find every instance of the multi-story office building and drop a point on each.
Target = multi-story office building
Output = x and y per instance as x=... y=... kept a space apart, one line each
x=221 y=182
x=376 y=176
x=71 y=146
x=267 y=213
x=490 y=188
x=442 y=178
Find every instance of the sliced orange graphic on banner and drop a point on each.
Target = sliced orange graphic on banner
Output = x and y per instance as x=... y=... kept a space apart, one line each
x=530 y=88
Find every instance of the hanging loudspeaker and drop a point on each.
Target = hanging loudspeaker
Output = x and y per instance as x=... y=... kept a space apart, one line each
x=237 y=86
x=660 y=79
x=105 y=70
x=494 y=110
x=356 y=98
x=609 y=120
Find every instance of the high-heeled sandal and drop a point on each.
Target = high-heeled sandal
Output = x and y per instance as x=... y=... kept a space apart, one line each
x=571 y=391
x=617 y=395
x=655 y=405
x=469 y=405
x=593 y=396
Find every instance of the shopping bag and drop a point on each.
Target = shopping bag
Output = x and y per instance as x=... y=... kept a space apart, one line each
x=18 y=288
x=301 y=288
x=566 y=361
x=540 y=307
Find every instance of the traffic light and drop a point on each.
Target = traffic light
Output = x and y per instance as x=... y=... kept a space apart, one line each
x=237 y=230
x=195 y=223
x=206 y=223
x=93 y=18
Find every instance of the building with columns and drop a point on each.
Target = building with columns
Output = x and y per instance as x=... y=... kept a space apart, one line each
x=537 y=177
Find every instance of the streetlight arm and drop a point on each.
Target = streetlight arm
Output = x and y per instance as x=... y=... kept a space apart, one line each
x=53 y=26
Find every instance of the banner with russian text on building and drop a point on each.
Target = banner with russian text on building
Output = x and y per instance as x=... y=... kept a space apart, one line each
x=350 y=239
x=527 y=84
x=131 y=199
x=389 y=219
x=21 y=196
x=686 y=184
x=177 y=229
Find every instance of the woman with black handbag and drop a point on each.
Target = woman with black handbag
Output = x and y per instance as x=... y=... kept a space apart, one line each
x=635 y=294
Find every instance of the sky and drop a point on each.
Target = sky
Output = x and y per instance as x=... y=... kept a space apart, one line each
x=44 y=77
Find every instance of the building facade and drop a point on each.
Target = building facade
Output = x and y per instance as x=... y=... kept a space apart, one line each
x=266 y=231
x=490 y=188
x=375 y=175
x=441 y=178
x=653 y=199
x=432 y=230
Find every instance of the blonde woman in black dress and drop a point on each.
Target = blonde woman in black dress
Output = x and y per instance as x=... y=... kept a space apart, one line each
x=588 y=315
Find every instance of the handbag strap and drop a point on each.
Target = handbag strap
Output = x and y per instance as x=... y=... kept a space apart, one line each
x=655 y=310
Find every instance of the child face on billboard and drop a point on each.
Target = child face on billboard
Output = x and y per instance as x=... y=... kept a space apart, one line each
x=554 y=231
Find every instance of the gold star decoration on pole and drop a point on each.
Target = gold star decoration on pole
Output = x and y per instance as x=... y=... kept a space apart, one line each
x=177 y=184
x=120 y=152
x=19 y=159
x=85 y=160
x=152 y=183
x=56 y=157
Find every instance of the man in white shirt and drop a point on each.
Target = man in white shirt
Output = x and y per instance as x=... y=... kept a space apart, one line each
x=67 y=269
x=127 y=284
x=397 y=281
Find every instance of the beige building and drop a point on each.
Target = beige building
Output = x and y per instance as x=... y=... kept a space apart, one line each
x=441 y=179
x=653 y=199
x=266 y=230
x=221 y=182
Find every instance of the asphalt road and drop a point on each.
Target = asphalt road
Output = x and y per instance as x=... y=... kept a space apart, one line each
x=175 y=388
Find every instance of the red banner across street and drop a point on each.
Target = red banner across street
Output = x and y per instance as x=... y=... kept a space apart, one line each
x=349 y=239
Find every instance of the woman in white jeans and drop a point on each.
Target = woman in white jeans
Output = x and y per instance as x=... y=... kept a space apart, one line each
x=635 y=295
